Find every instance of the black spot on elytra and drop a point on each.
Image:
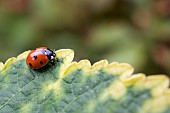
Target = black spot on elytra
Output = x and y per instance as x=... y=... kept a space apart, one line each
x=41 y=62
x=30 y=64
x=35 y=57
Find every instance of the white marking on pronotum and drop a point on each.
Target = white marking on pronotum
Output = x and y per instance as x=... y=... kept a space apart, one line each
x=52 y=57
x=45 y=53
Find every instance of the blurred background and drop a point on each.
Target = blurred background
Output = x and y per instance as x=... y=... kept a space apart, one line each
x=131 y=31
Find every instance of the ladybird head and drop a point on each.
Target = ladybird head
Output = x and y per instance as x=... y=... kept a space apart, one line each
x=50 y=54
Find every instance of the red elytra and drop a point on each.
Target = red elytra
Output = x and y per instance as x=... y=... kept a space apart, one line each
x=40 y=57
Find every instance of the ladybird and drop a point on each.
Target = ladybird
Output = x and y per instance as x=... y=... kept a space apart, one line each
x=40 y=57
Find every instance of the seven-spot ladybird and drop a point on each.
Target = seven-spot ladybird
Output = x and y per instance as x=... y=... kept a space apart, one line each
x=40 y=57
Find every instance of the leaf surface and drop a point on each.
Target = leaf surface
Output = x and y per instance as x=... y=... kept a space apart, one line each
x=79 y=87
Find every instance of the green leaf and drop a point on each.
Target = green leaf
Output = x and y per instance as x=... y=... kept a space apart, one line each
x=71 y=87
